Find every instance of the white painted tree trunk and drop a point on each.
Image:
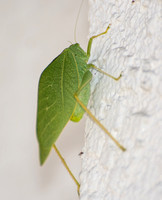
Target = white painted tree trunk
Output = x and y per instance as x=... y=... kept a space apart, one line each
x=131 y=108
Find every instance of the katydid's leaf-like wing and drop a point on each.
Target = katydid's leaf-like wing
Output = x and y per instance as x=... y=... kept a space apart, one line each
x=56 y=103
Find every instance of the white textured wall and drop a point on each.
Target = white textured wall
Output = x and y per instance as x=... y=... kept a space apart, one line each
x=130 y=108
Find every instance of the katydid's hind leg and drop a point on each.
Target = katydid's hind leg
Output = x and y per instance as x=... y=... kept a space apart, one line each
x=91 y=40
x=99 y=124
x=98 y=69
x=86 y=79
x=83 y=93
x=67 y=168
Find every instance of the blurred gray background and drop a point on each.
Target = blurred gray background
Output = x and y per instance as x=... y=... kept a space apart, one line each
x=32 y=34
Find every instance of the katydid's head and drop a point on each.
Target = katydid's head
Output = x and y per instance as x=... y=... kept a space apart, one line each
x=74 y=46
x=78 y=52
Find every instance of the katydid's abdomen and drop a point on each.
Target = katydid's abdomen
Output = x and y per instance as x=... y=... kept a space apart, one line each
x=58 y=84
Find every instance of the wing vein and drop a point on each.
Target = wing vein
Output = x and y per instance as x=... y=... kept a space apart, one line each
x=53 y=118
x=47 y=107
x=76 y=67
x=62 y=79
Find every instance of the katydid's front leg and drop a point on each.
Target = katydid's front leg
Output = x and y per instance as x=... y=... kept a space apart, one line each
x=89 y=53
x=91 y=40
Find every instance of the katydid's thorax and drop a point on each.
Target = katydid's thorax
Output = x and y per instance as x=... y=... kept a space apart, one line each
x=74 y=64
x=77 y=56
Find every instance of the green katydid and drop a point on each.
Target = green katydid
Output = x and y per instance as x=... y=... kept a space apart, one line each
x=63 y=94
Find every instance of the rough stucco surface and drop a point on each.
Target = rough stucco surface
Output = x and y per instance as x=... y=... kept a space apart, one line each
x=131 y=108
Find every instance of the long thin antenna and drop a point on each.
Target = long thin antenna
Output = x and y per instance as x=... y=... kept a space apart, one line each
x=77 y=20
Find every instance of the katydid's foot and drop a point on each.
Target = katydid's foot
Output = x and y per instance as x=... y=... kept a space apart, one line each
x=78 y=190
x=116 y=79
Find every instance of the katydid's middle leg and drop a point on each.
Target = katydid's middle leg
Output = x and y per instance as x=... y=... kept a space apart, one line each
x=98 y=69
